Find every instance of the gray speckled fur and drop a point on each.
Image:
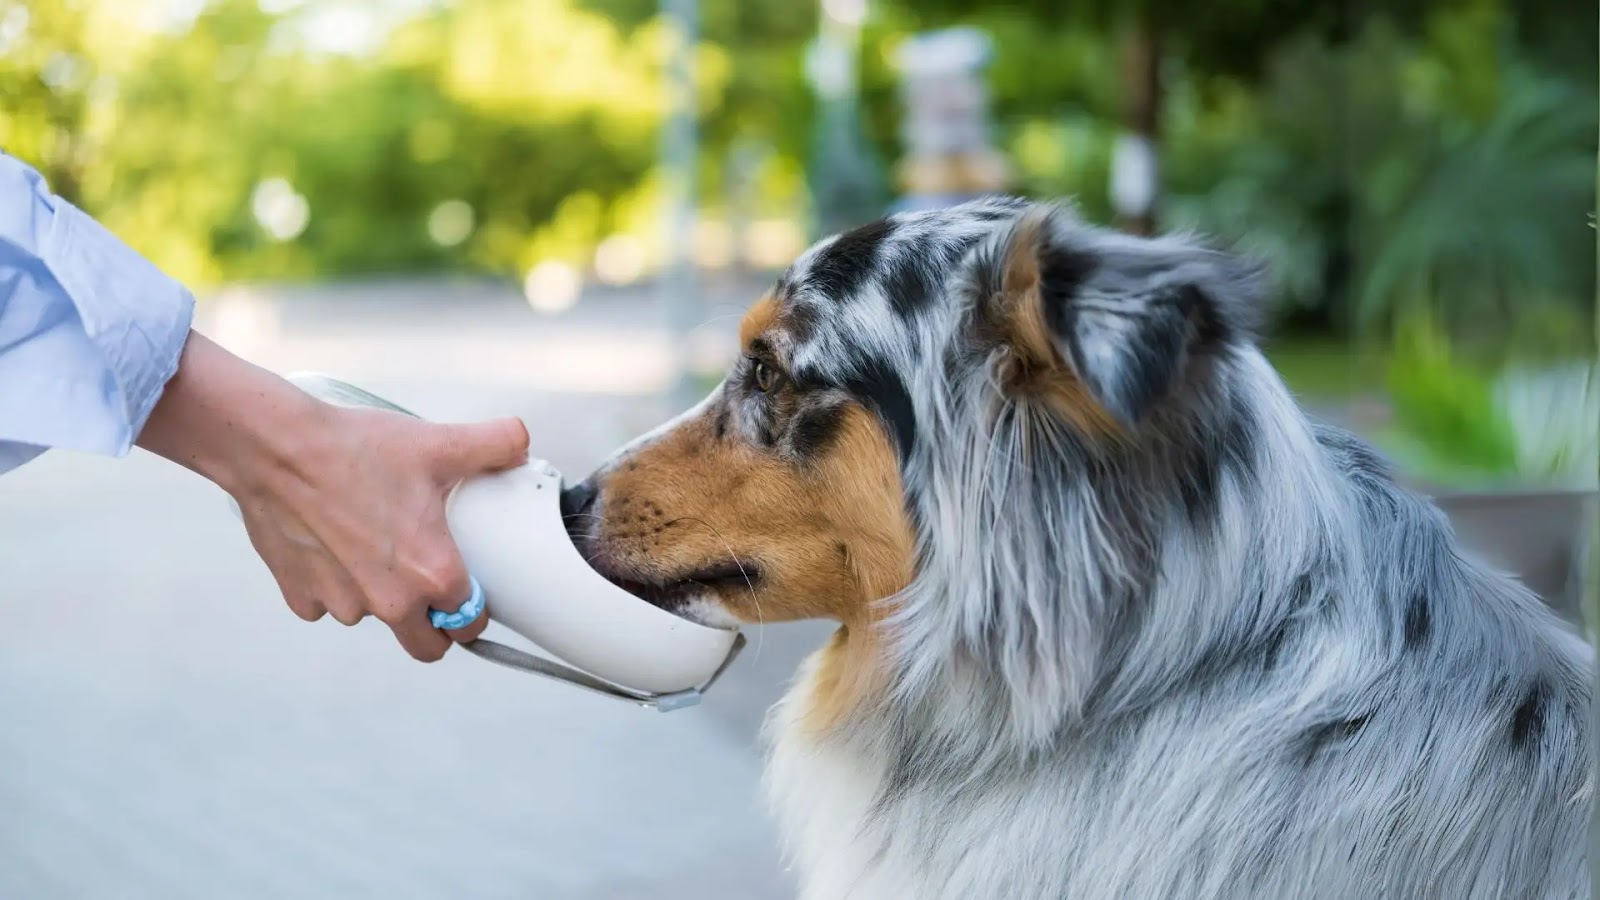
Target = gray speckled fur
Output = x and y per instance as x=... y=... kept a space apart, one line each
x=1231 y=659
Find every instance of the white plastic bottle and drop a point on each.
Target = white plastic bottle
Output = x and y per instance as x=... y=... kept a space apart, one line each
x=509 y=529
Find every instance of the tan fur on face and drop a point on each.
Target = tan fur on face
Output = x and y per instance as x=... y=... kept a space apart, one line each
x=758 y=320
x=829 y=535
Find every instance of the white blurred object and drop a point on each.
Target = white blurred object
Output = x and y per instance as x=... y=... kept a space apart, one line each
x=552 y=286
x=846 y=12
x=773 y=243
x=619 y=259
x=1555 y=413
x=13 y=27
x=1133 y=175
x=280 y=210
x=711 y=244
x=949 y=153
x=830 y=67
x=243 y=321
x=451 y=222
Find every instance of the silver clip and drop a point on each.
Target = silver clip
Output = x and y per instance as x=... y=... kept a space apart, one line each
x=520 y=660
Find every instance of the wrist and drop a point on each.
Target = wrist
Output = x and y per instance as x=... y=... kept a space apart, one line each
x=234 y=423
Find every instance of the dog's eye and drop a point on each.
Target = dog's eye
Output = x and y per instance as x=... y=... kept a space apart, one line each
x=763 y=376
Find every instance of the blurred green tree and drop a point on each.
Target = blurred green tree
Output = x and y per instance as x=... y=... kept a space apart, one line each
x=46 y=75
x=1385 y=180
x=1421 y=156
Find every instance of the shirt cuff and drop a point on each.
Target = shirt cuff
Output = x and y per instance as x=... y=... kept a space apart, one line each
x=137 y=317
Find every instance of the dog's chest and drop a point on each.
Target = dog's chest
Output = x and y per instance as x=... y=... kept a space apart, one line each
x=847 y=843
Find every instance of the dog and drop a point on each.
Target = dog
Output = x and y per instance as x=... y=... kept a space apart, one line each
x=1115 y=619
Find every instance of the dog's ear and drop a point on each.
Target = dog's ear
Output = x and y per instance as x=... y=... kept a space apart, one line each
x=1113 y=317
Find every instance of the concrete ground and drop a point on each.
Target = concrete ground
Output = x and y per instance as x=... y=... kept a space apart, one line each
x=168 y=729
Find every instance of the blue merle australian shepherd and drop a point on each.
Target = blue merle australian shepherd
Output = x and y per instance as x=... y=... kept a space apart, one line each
x=1115 y=619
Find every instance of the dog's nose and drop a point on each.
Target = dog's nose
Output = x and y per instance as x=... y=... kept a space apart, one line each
x=578 y=499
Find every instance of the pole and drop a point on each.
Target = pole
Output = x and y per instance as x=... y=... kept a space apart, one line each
x=1590 y=593
x=844 y=179
x=679 y=300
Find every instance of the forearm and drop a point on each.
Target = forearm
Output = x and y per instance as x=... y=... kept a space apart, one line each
x=232 y=422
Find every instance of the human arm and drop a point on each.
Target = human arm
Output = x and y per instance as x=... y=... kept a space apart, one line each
x=346 y=508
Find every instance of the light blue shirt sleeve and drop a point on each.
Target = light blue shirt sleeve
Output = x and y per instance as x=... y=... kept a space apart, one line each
x=90 y=331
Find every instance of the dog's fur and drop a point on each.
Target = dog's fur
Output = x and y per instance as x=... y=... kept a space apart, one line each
x=1116 y=619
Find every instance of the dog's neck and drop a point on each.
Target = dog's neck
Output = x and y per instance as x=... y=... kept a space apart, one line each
x=1043 y=605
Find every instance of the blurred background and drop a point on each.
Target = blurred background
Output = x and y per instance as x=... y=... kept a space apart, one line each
x=557 y=209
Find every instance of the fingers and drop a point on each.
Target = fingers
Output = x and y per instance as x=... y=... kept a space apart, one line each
x=469 y=633
x=444 y=586
x=339 y=592
x=459 y=592
x=302 y=604
x=479 y=447
x=417 y=635
x=323 y=587
x=300 y=592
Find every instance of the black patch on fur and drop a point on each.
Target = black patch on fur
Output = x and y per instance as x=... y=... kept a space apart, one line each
x=1002 y=208
x=802 y=320
x=1352 y=455
x=815 y=429
x=1062 y=272
x=841 y=267
x=1272 y=649
x=1211 y=330
x=1150 y=355
x=1226 y=446
x=912 y=282
x=1325 y=736
x=1302 y=594
x=916 y=276
x=881 y=390
x=1527 y=720
x=723 y=413
x=1419 y=620
x=1261 y=654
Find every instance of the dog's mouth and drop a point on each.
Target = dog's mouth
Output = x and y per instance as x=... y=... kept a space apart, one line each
x=678 y=594
x=684 y=594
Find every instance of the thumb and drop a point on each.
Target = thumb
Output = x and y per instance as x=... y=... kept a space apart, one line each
x=478 y=447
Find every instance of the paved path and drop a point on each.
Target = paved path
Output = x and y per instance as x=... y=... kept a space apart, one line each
x=169 y=730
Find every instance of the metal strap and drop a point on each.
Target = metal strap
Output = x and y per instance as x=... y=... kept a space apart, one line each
x=520 y=660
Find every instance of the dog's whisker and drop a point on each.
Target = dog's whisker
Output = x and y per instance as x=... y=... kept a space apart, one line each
x=743 y=573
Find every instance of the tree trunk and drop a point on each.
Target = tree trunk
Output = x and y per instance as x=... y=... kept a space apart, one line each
x=1135 y=178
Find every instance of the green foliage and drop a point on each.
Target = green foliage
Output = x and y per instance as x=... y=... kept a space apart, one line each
x=1445 y=411
x=45 y=82
x=1388 y=159
x=1386 y=178
x=1489 y=224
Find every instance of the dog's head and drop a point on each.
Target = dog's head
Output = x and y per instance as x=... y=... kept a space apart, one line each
x=906 y=391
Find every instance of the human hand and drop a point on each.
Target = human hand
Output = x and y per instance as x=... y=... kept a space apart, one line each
x=356 y=525
x=346 y=507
